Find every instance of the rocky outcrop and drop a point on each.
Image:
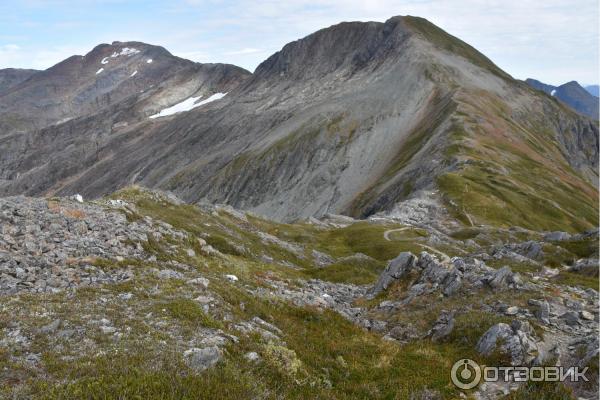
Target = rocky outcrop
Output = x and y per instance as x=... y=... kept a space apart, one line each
x=514 y=340
x=396 y=269
x=445 y=277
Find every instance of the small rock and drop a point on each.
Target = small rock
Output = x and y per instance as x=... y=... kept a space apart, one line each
x=571 y=318
x=191 y=253
x=202 y=359
x=443 y=326
x=51 y=327
x=512 y=310
x=586 y=315
x=202 y=282
x=168 y=274
x=204 y=299
x=252 y=356
x=556 y=236
x=108 y=329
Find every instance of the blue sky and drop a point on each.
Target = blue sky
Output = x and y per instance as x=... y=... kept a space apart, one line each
x=552 y=40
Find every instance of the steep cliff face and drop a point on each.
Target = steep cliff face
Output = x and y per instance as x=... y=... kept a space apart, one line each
x=351 y=119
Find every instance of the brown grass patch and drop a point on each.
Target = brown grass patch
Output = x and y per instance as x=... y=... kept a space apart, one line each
x=73 y=213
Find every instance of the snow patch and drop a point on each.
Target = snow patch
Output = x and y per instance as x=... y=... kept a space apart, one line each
x=187 y=105
x=149 y=61
x=553 y=92
x=125 y=51
x=100 y=70
x=134 y=74
x=104 y=61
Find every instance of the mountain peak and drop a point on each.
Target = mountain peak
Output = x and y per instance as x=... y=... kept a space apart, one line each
x=346 y=46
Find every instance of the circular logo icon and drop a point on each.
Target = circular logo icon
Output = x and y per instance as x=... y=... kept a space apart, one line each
x=465 y=374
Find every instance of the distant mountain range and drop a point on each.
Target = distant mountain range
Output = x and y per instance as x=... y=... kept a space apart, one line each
x=352 y=119
x=573 y=94
x=594 y=90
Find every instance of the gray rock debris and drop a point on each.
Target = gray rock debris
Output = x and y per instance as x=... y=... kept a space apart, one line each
x=50 y=245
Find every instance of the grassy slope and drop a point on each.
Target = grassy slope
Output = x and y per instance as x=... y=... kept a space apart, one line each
x=339 y=362
x=516 y=173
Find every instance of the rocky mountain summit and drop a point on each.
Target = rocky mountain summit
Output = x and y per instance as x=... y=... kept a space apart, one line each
x=105 y=296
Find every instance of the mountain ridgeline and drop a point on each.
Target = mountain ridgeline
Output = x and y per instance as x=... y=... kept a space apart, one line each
x=572 y=94
x=352 y=119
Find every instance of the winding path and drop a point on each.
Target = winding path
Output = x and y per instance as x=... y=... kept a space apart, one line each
x=386 y=236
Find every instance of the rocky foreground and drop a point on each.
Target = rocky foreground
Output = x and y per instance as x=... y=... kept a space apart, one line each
x=140 y=296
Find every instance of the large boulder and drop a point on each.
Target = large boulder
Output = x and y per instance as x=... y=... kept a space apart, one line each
x=396 y=269
x=514 y=340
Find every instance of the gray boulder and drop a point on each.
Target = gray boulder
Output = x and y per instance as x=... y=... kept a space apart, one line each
x=443 y=326
x=396 y=269
x=543 y=310
x=502 y=278
x=321 y=259
x=556 y=236
x=403 y=333
x=511 y=340
x=452 y=283
x=202 y=359
x=571 y=318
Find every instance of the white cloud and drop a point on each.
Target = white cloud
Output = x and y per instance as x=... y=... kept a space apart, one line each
x=247 y=50
x=15 y=56
x=537 y=38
